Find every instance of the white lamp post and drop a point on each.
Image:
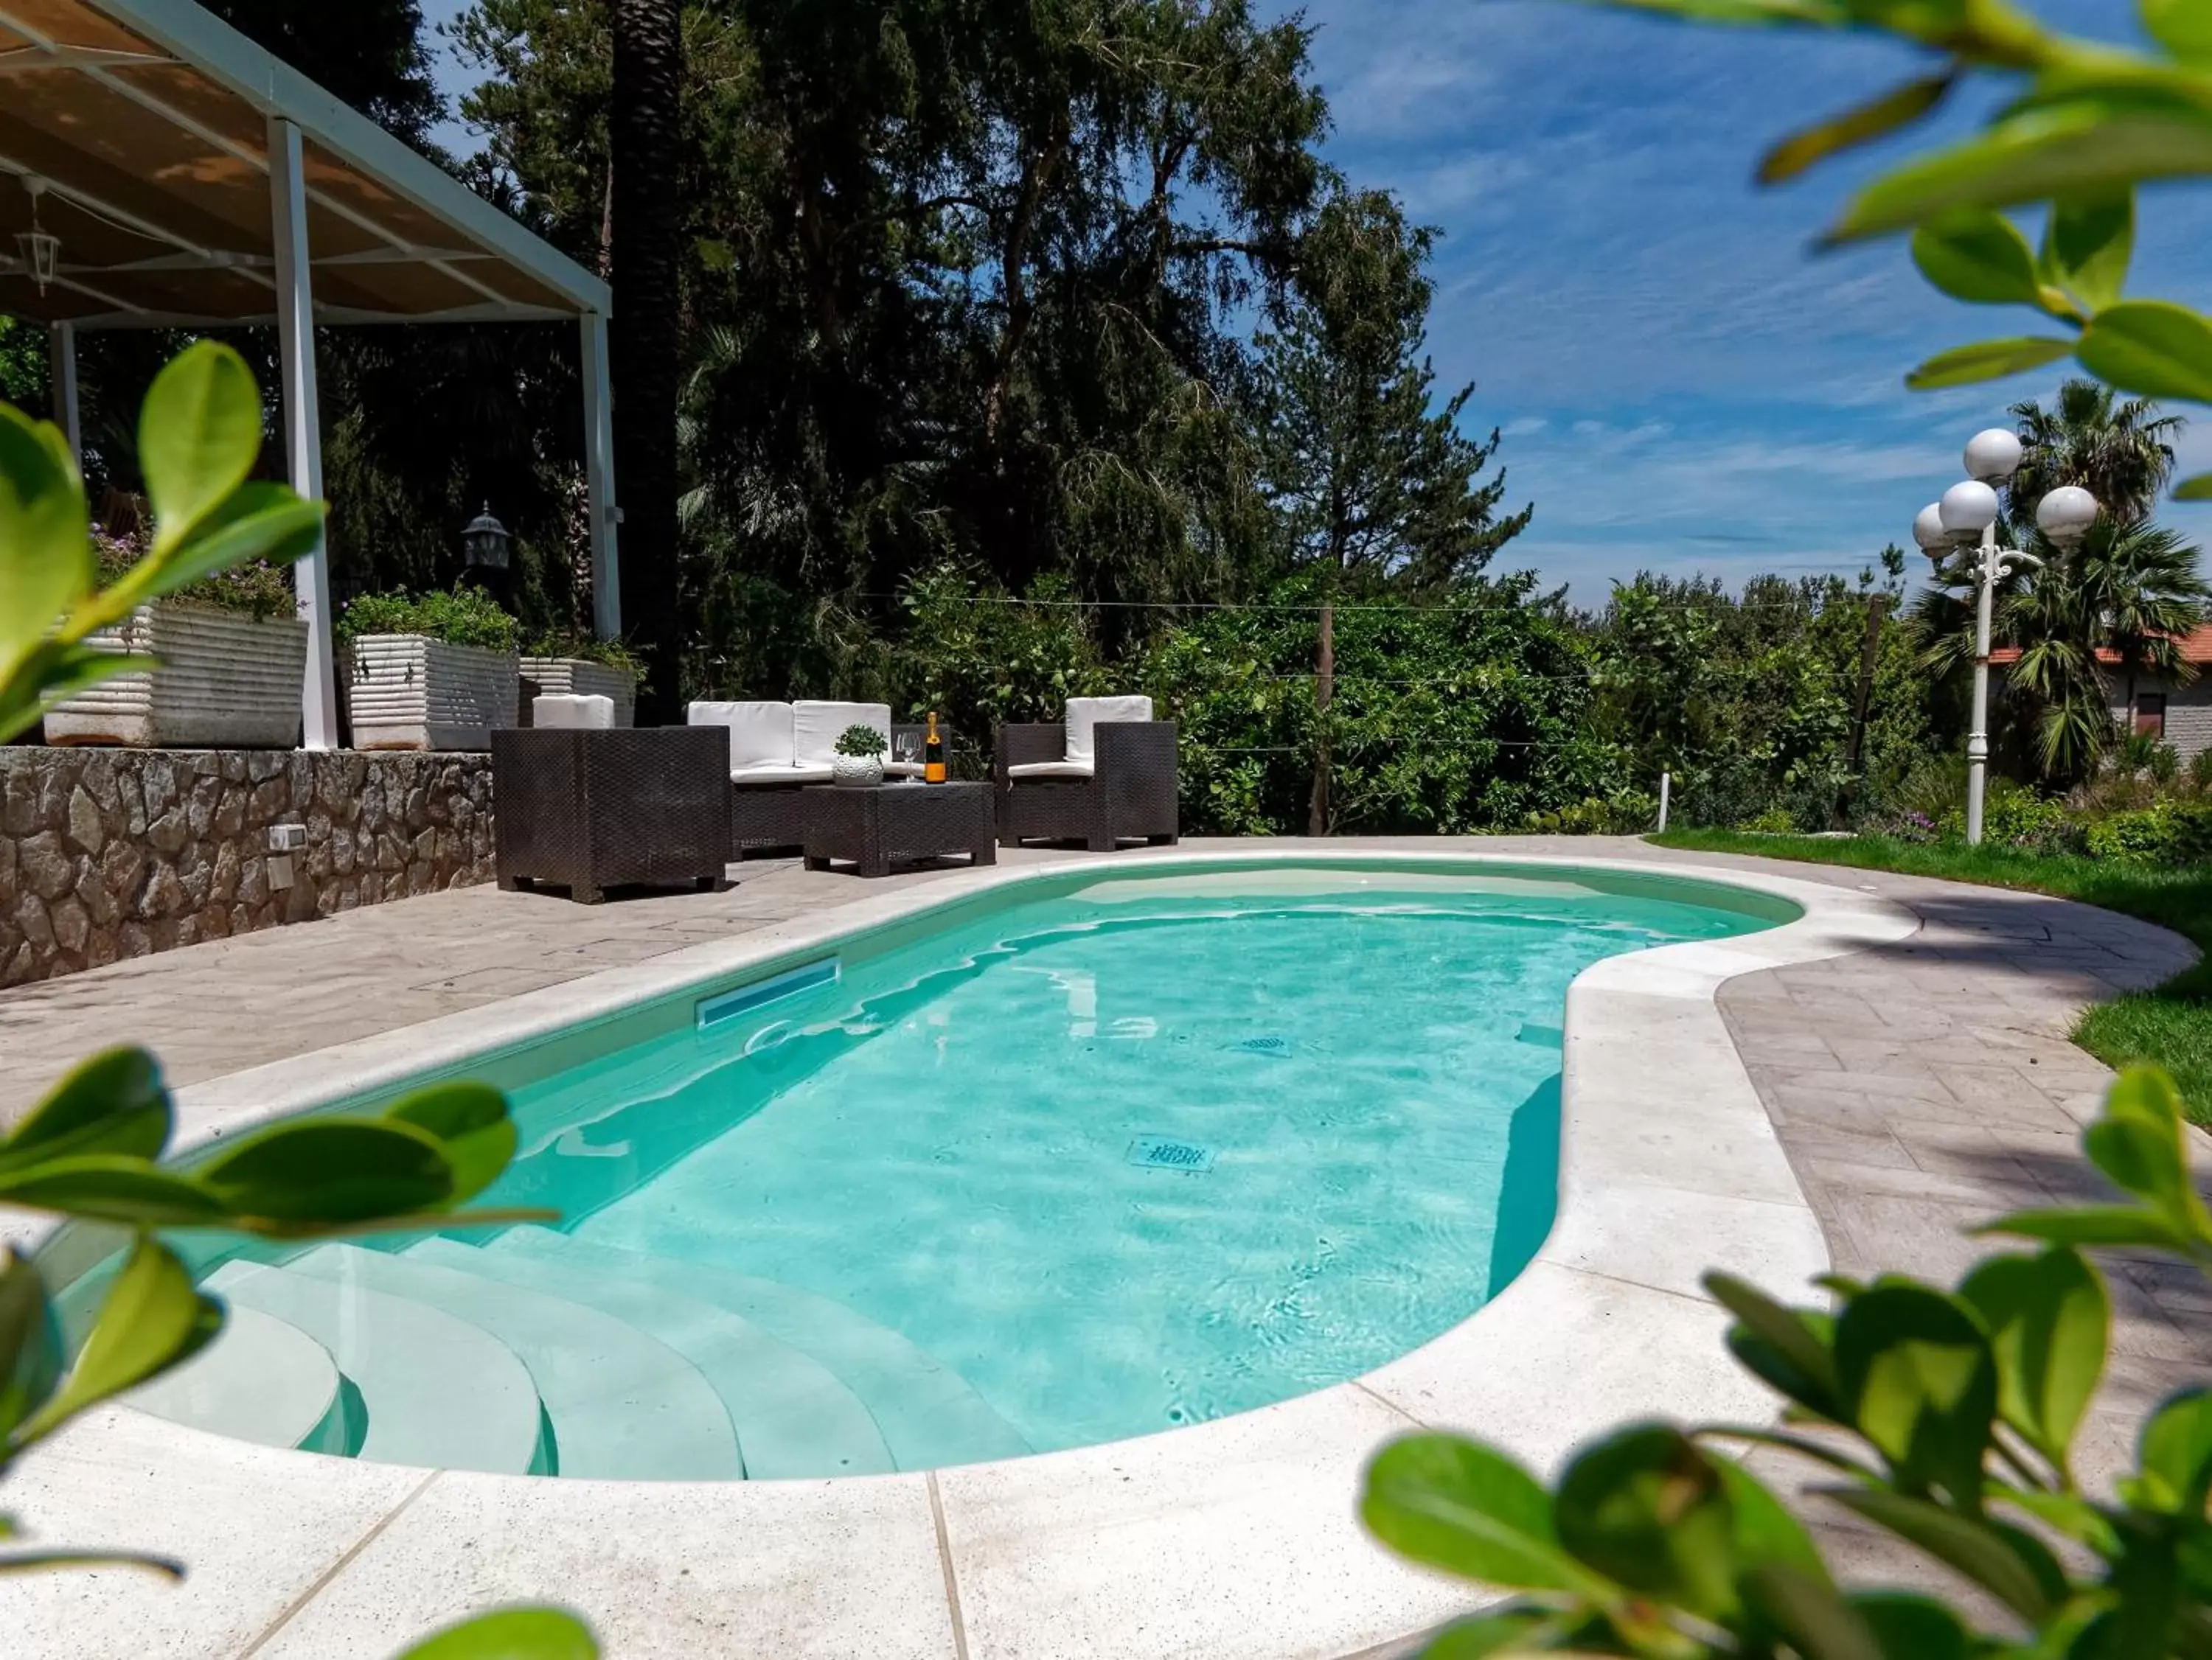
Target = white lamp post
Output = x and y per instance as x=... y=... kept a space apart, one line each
x=1968 y=516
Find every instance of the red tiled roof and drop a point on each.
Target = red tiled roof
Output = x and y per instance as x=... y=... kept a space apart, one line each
x=2195 y=647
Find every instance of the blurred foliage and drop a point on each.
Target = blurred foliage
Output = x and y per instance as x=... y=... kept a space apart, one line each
x=2082 y=124
x=92 y=1148
x=1947 y=1420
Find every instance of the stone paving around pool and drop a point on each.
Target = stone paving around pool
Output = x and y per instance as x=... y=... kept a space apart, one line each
x=1916 y=1088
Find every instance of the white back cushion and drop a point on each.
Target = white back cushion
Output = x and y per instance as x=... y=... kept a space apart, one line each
x=563 y=709
x=760 y=733
x=1084 y=713
x=815 y=728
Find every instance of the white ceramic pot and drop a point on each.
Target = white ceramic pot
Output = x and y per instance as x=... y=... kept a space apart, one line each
x=856 y=769
x=226 y=681
x=578 y=677
x=410 y=691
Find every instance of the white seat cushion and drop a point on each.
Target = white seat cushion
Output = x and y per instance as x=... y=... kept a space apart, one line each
x=568 y=709
x=902 y=769
x=1052 y=769
x=816 y=728
x=1084 y=713
x=760 y=733
x=784 y=773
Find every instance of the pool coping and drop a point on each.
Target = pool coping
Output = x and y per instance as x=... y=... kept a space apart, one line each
x=1231 y=1538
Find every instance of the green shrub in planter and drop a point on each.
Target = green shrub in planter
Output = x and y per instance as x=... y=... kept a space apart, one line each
x=459 y=616
x=860 y=740
x=584 y=648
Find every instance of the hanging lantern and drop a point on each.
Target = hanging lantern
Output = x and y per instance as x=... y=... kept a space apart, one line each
x=39 y=249
x=484 y=542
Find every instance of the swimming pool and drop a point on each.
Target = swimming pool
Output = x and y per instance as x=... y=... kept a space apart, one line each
x=1076 y=1161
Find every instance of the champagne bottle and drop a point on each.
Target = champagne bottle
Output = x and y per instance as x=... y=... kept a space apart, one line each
x=932 y=754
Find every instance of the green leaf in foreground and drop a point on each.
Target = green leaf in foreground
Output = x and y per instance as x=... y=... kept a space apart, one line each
x=510 y=1634
x=2048 y=1319
x=199 y=432
x=469 y=1120
x=1645 y=1508
x=2012 y=1565
x=2152 y=347
x=325 y=1172
x=2196 y=488
x=2086 y=147
x=258 y=521
x=113 y=1103
x=1898 y=107
x=54 y=670
x=2184 y=27
x=1977 y=256
x=30 y=1342
x=152 y=1319
x=46 y=558
x=1463 y=1507
x=45 y=1561
x=2086 y=244
x=1987 y=360
x=112 y=1188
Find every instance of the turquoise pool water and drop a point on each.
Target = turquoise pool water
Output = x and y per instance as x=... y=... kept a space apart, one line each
x=1075 y=1168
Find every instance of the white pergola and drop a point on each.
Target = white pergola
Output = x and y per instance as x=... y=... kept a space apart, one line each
x=158 y=169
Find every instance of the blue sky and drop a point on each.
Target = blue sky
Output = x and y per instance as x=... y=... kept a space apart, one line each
x=1682 y=384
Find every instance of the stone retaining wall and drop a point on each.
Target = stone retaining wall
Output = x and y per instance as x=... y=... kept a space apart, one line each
x=113 y=853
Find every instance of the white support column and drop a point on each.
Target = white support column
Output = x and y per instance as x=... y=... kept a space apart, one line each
x=303 y=438
x=599 y=478
x=61 y=361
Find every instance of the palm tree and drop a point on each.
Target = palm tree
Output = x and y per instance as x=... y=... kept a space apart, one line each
x=645 y=155
x=2116 y=604
x=2120 y=451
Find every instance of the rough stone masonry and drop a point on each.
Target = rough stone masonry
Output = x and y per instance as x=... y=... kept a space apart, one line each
x=113 y=853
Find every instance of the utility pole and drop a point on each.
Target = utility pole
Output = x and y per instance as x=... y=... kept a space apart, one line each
x=1877 y=607
x=1324 y=689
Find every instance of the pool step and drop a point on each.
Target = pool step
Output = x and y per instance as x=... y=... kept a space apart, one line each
x=930 y=1416
x=437 y=1390
x=622 y=1404
x=261 y=1380
x=794 y=1418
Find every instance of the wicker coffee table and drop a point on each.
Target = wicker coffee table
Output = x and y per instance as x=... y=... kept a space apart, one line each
x=877 y=826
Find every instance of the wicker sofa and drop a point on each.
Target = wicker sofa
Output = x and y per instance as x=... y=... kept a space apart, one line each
x=1105 y=774
x=777 y=750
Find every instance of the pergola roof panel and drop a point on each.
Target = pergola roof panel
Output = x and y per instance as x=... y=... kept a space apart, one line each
x=144 y=123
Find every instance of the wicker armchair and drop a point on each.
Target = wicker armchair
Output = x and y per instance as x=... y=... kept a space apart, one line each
x=1126 y=792
x=587 y=809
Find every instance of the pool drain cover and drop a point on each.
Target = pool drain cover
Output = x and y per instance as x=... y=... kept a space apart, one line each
x=1164 y=1153
x=1268 y=1046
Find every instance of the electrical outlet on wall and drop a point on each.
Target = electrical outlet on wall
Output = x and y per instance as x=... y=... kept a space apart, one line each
x=286 y=838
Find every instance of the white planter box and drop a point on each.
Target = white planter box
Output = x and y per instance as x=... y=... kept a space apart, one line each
x=226 y=681
x=574 y=677
x=410 y=691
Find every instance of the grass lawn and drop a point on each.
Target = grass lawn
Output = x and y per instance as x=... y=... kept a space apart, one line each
x=2171 y=1024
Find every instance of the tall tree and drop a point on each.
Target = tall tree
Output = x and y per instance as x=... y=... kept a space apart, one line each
x=2121 y=450
x=1370 y=475
x=644 y=147
x=368 y=52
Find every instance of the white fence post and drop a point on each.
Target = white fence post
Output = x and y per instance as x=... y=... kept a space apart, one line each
x=1666 y=789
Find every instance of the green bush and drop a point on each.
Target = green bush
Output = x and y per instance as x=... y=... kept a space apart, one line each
x=982 y=660
x=459 y=616
x=1627 y=814
x=2167 y=832
x=584 y=648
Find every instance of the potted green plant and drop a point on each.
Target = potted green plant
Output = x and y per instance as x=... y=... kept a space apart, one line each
x=859 y=757
x=429 y=672
x=579 y=665
x=232 y=657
